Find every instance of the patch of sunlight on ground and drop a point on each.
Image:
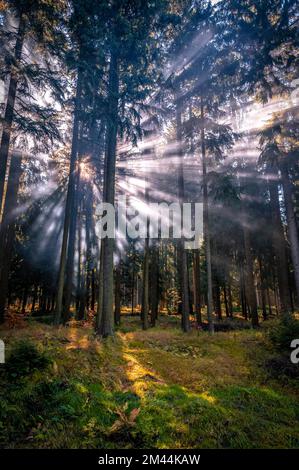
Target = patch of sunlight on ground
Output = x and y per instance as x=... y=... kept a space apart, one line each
x=138 y=374
x=206 y=396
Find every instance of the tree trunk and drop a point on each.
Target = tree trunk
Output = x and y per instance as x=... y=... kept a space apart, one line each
x=279 y=249
x=196 y=286
x=7 y=230
x=69 y=271
x=34 y=298
x=9 y=111
x=206 y=225
x=217 y=299
x=24 y=300
x=117 y=306
x=292 y=225
x=262 y=287
x=154 y=285
x=106 y=325
x=182 y=255
x=250 y=279
x=230 y=300
x=225 y=301
x=69 y=201
x=145 y=286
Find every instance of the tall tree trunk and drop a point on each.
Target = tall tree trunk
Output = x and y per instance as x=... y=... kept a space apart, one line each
x=154 y=283
x=230 y=300
x=100 y=292
x=145 y=278
x=24 y=300
x=106 y=324
x=269 y=302
x=279 y=249
x=262 y=287
x=69 y=201
x=292 y=225
x=196 y=285
x=133 y=290
x=7 y=230
x=93 y=290
x=88 y=215
x=145 y=286
x=69 y=270
x=206 y=228
x=225 y=301
x=183 y=260
x=117 y=306
x=9 y=110
x=250 y=279
x=242 y=291
x=34 y=298
x=217 y=299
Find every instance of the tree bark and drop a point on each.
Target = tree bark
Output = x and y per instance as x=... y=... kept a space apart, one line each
x=106 y=324
x=183 y=261
x=196 y=286
x=7 y=230
x=154 y=284
x=69 y=202
x=9 y=111
x=279 y=249
x=206 y=230
x=292 y=225
x=250 y=279
x=117 y=306
x=69 y=270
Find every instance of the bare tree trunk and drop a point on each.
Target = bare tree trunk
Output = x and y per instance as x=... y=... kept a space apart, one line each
x=262 y=287
x=145 y=279
x=7 y=230
x=269 y=302
x=183 y=261
x=117 y=306
x=93 y=290
x=154 y=284
x=145 y=286
x=279 y=246
x=292 y=225
x=34 y=298
x=106 y=324
x=196 y=285
x=69 y=271
x=9 y=110
x=133 y=290
x=69 y=202
x=230 y=300
x=89 y=225
x=24 y=300
x=225 y=301
x=207 y=243
x=250 y=279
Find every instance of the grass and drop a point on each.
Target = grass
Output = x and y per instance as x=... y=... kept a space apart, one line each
x=160 y=388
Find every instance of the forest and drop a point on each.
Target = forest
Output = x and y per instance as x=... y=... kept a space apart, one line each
x=126 y=336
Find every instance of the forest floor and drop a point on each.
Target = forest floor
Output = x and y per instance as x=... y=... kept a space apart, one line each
x=159 y=388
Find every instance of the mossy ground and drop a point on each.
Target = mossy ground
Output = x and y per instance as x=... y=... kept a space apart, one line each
x=160 y=388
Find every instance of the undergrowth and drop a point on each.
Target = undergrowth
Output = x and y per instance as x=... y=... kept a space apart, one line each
x=63 y=388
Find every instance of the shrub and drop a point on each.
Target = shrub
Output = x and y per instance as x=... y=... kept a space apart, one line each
x=283 y=332
x=24 y=359
x=280 y=365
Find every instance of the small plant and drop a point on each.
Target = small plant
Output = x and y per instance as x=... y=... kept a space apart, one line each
x=24 y=359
